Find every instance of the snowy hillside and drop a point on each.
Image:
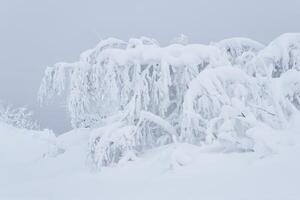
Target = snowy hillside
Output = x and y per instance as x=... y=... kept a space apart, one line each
x=185 y=121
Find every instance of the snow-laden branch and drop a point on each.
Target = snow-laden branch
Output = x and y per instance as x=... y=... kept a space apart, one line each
x=161 y=122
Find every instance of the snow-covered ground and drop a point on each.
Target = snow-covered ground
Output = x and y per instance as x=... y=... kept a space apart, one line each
x=38 y=166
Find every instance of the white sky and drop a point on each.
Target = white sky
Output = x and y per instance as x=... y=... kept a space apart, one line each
x=37 y=33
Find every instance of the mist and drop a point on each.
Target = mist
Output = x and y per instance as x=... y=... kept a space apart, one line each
x=35 y=34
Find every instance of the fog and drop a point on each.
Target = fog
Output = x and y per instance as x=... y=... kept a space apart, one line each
x=35 y=34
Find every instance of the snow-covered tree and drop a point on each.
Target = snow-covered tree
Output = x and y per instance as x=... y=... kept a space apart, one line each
x=137 y=95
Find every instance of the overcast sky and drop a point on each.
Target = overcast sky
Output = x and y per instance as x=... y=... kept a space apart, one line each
x=38 y=33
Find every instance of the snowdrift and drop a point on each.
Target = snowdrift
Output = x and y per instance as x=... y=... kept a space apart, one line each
x=175 y=171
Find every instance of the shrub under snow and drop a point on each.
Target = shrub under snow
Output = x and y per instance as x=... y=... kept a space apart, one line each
x=17 y=117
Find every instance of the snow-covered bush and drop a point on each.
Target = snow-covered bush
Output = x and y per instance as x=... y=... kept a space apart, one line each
x=215 y=102
x=116 y=141
x=279 y=56
x=111 y=143
x=286 y=93
x=239 y=49
x=241 y=52
x=17 y=117
x=222 y=104
x=137 y=95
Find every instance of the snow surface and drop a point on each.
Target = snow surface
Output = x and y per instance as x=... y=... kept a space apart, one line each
x=175 y=171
